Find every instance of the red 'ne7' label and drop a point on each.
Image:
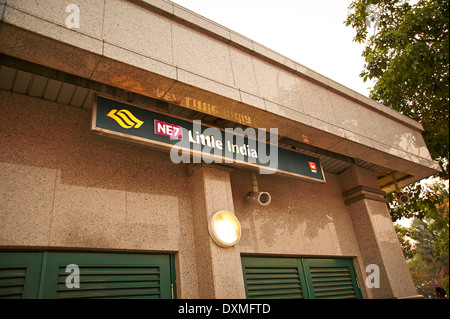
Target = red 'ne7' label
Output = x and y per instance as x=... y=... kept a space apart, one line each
x=167 y=129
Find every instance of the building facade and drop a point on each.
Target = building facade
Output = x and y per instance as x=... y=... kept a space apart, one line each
x=82 y=204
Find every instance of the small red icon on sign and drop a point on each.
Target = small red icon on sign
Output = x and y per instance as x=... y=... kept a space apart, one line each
x=312 y=165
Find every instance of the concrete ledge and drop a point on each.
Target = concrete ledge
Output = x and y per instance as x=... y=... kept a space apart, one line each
x=363 y=192
x=412 y=297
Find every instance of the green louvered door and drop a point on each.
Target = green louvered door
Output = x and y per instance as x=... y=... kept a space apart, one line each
x=102 y=275
x=331 y=278
x=105 y=275
x=274 y=278
x=19 y=274
x=299 y=278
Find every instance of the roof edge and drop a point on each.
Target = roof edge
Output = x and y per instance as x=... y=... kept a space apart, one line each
x=216 y=30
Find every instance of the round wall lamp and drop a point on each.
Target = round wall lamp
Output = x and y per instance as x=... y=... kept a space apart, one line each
x=224 y=228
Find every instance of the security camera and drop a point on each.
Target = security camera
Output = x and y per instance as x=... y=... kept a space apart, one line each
x=262 y=198
x=402 y=198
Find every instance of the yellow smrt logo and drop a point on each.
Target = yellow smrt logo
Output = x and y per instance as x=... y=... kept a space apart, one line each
x=125 y=118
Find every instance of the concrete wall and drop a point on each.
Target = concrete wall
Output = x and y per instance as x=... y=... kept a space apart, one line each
x=303 y=218
x=63 y=186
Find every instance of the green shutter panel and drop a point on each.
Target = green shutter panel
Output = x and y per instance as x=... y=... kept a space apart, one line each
x=274 y=278
x=112 y=282
x=308 y=278
x=19 y=274
x=332 y=278
x=105 y=275
x=102 y=275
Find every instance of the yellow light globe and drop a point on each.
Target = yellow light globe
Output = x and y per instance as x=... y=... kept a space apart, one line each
x=224 y=229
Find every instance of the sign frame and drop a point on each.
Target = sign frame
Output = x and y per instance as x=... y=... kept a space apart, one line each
x=153 y=144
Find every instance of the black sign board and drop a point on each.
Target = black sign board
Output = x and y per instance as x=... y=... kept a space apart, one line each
x=191 y=141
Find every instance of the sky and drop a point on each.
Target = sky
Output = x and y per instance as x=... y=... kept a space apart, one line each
x=311 y=33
